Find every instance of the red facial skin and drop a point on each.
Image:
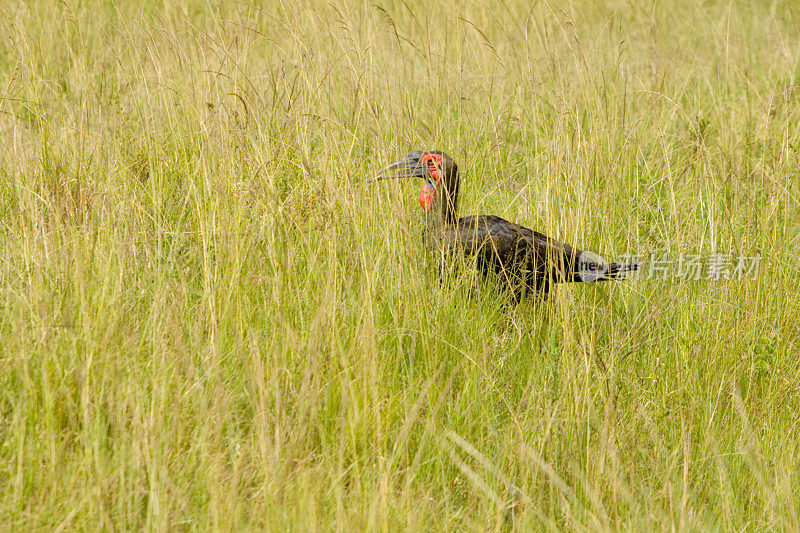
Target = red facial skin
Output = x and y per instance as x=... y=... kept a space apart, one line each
x=434 y=163
x=428 y=191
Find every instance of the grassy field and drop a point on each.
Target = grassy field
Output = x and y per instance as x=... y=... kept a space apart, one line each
x=209 y=320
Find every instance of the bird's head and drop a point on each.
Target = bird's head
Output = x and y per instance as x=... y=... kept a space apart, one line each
x=441 y=179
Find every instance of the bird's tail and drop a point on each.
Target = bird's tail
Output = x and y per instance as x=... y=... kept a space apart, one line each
x=592 y=267
x=620 y=270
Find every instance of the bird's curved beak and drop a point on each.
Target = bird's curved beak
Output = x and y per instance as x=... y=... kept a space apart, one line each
x=408 y=167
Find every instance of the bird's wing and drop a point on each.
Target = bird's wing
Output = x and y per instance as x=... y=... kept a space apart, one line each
x=514 y=244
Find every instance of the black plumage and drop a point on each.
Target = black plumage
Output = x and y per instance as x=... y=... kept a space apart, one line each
x=520 y=259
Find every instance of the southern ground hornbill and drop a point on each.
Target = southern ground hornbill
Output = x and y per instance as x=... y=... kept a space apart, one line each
x=521 y=260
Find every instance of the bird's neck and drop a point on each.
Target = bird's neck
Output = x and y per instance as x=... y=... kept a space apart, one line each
x=446 y=212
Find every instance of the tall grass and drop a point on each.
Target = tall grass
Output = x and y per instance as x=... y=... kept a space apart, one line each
x=209 y=320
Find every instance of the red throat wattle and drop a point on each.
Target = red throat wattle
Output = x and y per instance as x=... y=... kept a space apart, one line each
x=426 y=196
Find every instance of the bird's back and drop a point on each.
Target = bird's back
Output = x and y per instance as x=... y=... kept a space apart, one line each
x=509 y=241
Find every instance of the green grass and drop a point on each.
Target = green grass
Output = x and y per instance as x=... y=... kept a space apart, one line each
x=209 y=320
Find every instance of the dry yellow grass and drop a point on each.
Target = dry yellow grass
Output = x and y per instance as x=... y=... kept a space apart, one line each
x=209 y=321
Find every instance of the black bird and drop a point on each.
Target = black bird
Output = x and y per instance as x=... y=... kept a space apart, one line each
x=520 y=259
